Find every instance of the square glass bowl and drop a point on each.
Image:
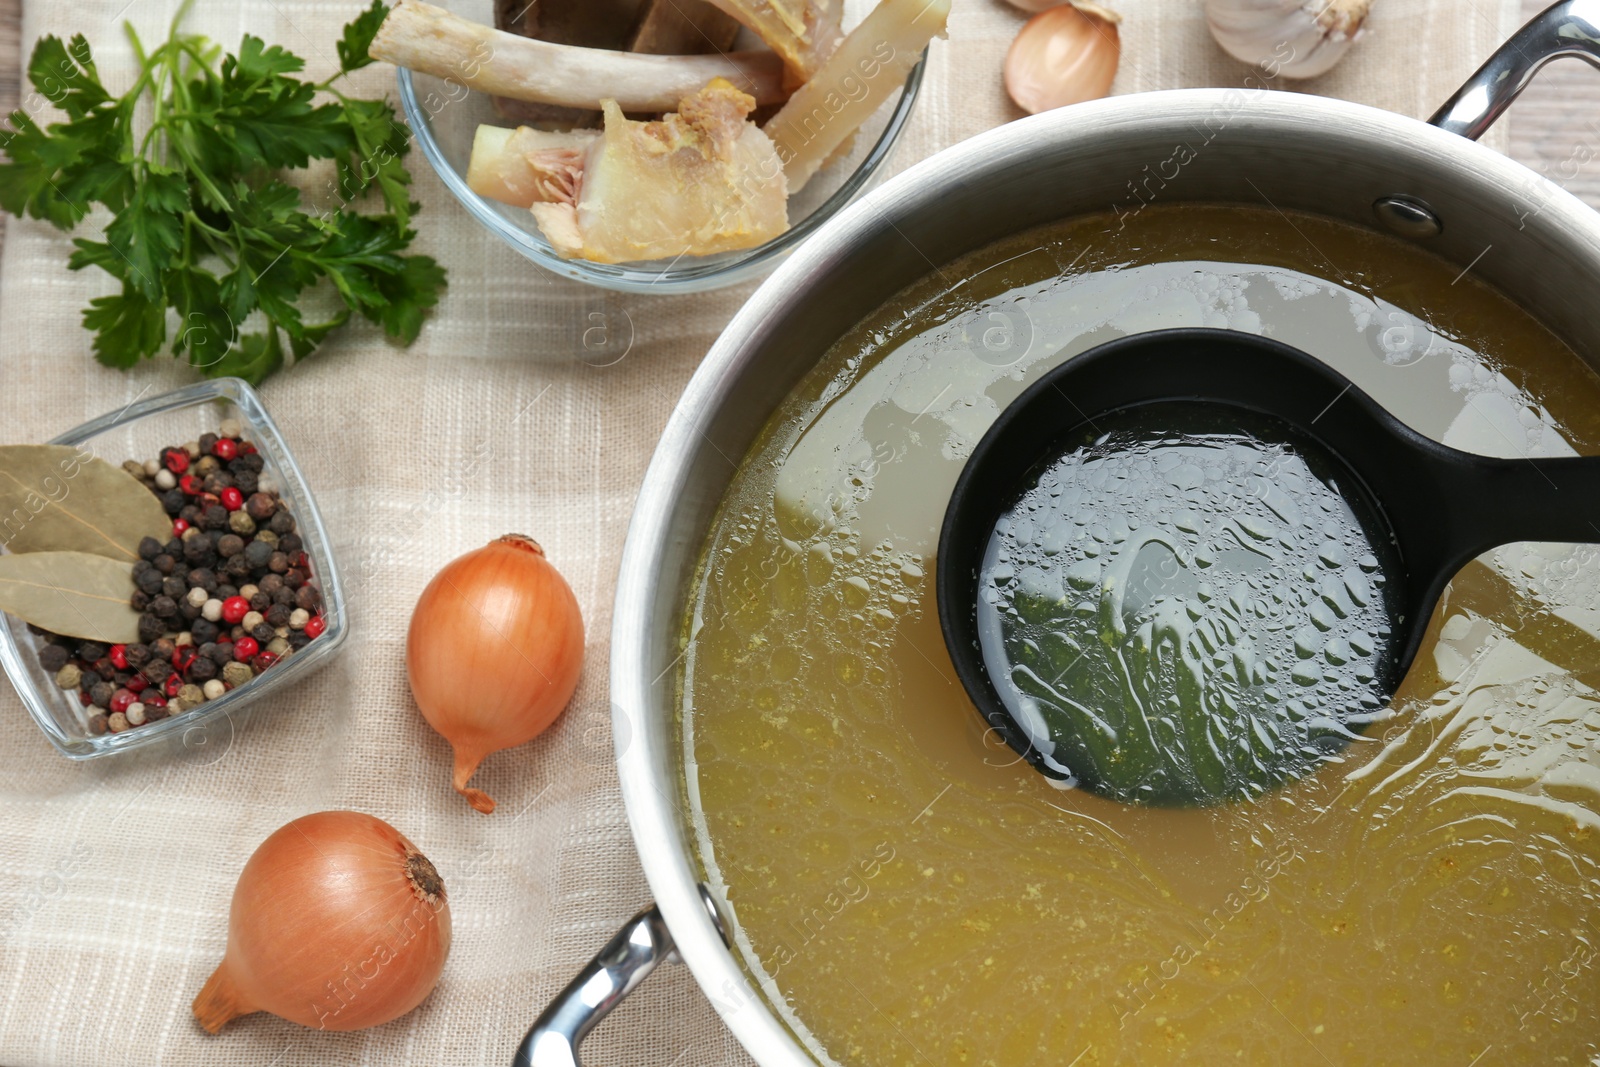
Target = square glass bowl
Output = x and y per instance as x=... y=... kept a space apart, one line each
x=444 y=115
x=139 y=432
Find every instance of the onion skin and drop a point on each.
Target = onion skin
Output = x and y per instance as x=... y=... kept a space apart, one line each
x=494 y=652
x=338 y=923
x=1063 y=56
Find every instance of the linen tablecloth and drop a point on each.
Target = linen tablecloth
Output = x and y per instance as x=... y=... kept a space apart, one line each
x=509 y=414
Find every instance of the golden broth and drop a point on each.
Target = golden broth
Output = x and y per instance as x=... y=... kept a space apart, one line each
x=909 y=893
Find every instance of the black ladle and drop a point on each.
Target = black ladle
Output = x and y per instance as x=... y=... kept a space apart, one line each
x=1438 y=506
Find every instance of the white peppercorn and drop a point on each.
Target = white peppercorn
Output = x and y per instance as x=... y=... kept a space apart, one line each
x=211 y=611
x=251 y=619
x=297 y=618
x=116 y=722
x=214 y=689
x=152 y=467
x=69 y=677
x=228 y=428
x=198 y=597
x=165 y=479
x=135 y=714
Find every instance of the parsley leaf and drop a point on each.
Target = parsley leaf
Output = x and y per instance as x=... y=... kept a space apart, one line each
x=204 y=232
x=358 y=35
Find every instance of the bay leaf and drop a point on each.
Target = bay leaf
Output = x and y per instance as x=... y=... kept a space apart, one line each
x=78 y=594
x=57 y=498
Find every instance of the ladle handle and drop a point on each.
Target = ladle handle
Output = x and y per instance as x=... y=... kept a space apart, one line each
x=1570 y=28
x=1504 y=501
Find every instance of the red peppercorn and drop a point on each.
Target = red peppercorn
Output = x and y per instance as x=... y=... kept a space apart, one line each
x=179 y=527
x=244 y=648
x=119 y=657
x=247 y=449
x=191 y=485
x=183 y=658
x=315 y=625
x=85 y=699
x=225 y=448
x=232 y=499
x=173 y=684
x=263 y=661
x=177 y=460
x=234 y=609
x=121 y=699
x=137 y=683
x=153 y=700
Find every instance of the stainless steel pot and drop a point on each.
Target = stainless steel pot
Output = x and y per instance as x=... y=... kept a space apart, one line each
x=1426 y=182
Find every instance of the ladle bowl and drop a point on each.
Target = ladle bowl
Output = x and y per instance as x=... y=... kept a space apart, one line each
x=1436 y=506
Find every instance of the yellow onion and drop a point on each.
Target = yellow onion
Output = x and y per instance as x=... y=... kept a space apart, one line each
x=1062 y=56
x=494 y=652
x=338 y=922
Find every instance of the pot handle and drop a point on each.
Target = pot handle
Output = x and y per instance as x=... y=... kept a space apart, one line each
x=1570 y=28
x=615 y=971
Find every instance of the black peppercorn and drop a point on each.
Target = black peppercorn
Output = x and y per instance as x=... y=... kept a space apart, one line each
x=217 y=481
x=236 y=567
x=283 y=595
x=225 y=590
x=199 y=552
x=261 y=602
x=253 y=462
x=298 y=639
x=261 y=506
x=258 y=553
x=164 y=563
x=149 y=548
x=278 y=563
x=230 y=545
x=221 y=654
x=89 y=651
x=264 y=632
x=157 y=670
x=215 y=518
x=150 y=627
x=174 y=586
x=174 y=547
x=202 y=669
x=203 y=578
x=204 y=630
x=90 y=679
x=294 y=578
x=189 y=610
x=207 y=442
x=101 y=693
x=290 y=543
x=138 y=655
x=161 y=650
x=140 y=600
x=172 y=501
x=270 y=583
x=163 y=607
x=53 y=657
x=281 y=523
x=247 y=482
x=150 y=581
x=142 y=566
x=278 y=614
x=190 y=514
x=308 y=597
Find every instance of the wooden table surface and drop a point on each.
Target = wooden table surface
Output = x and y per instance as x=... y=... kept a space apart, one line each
x=1555 y=127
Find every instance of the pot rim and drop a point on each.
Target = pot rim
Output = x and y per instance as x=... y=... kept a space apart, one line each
x=655 y=824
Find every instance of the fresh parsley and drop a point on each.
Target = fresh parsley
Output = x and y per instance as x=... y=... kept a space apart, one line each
x=202 y=221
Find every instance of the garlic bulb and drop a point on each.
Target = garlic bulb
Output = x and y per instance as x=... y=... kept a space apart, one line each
x=1294 y=38
x=1062 y=56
